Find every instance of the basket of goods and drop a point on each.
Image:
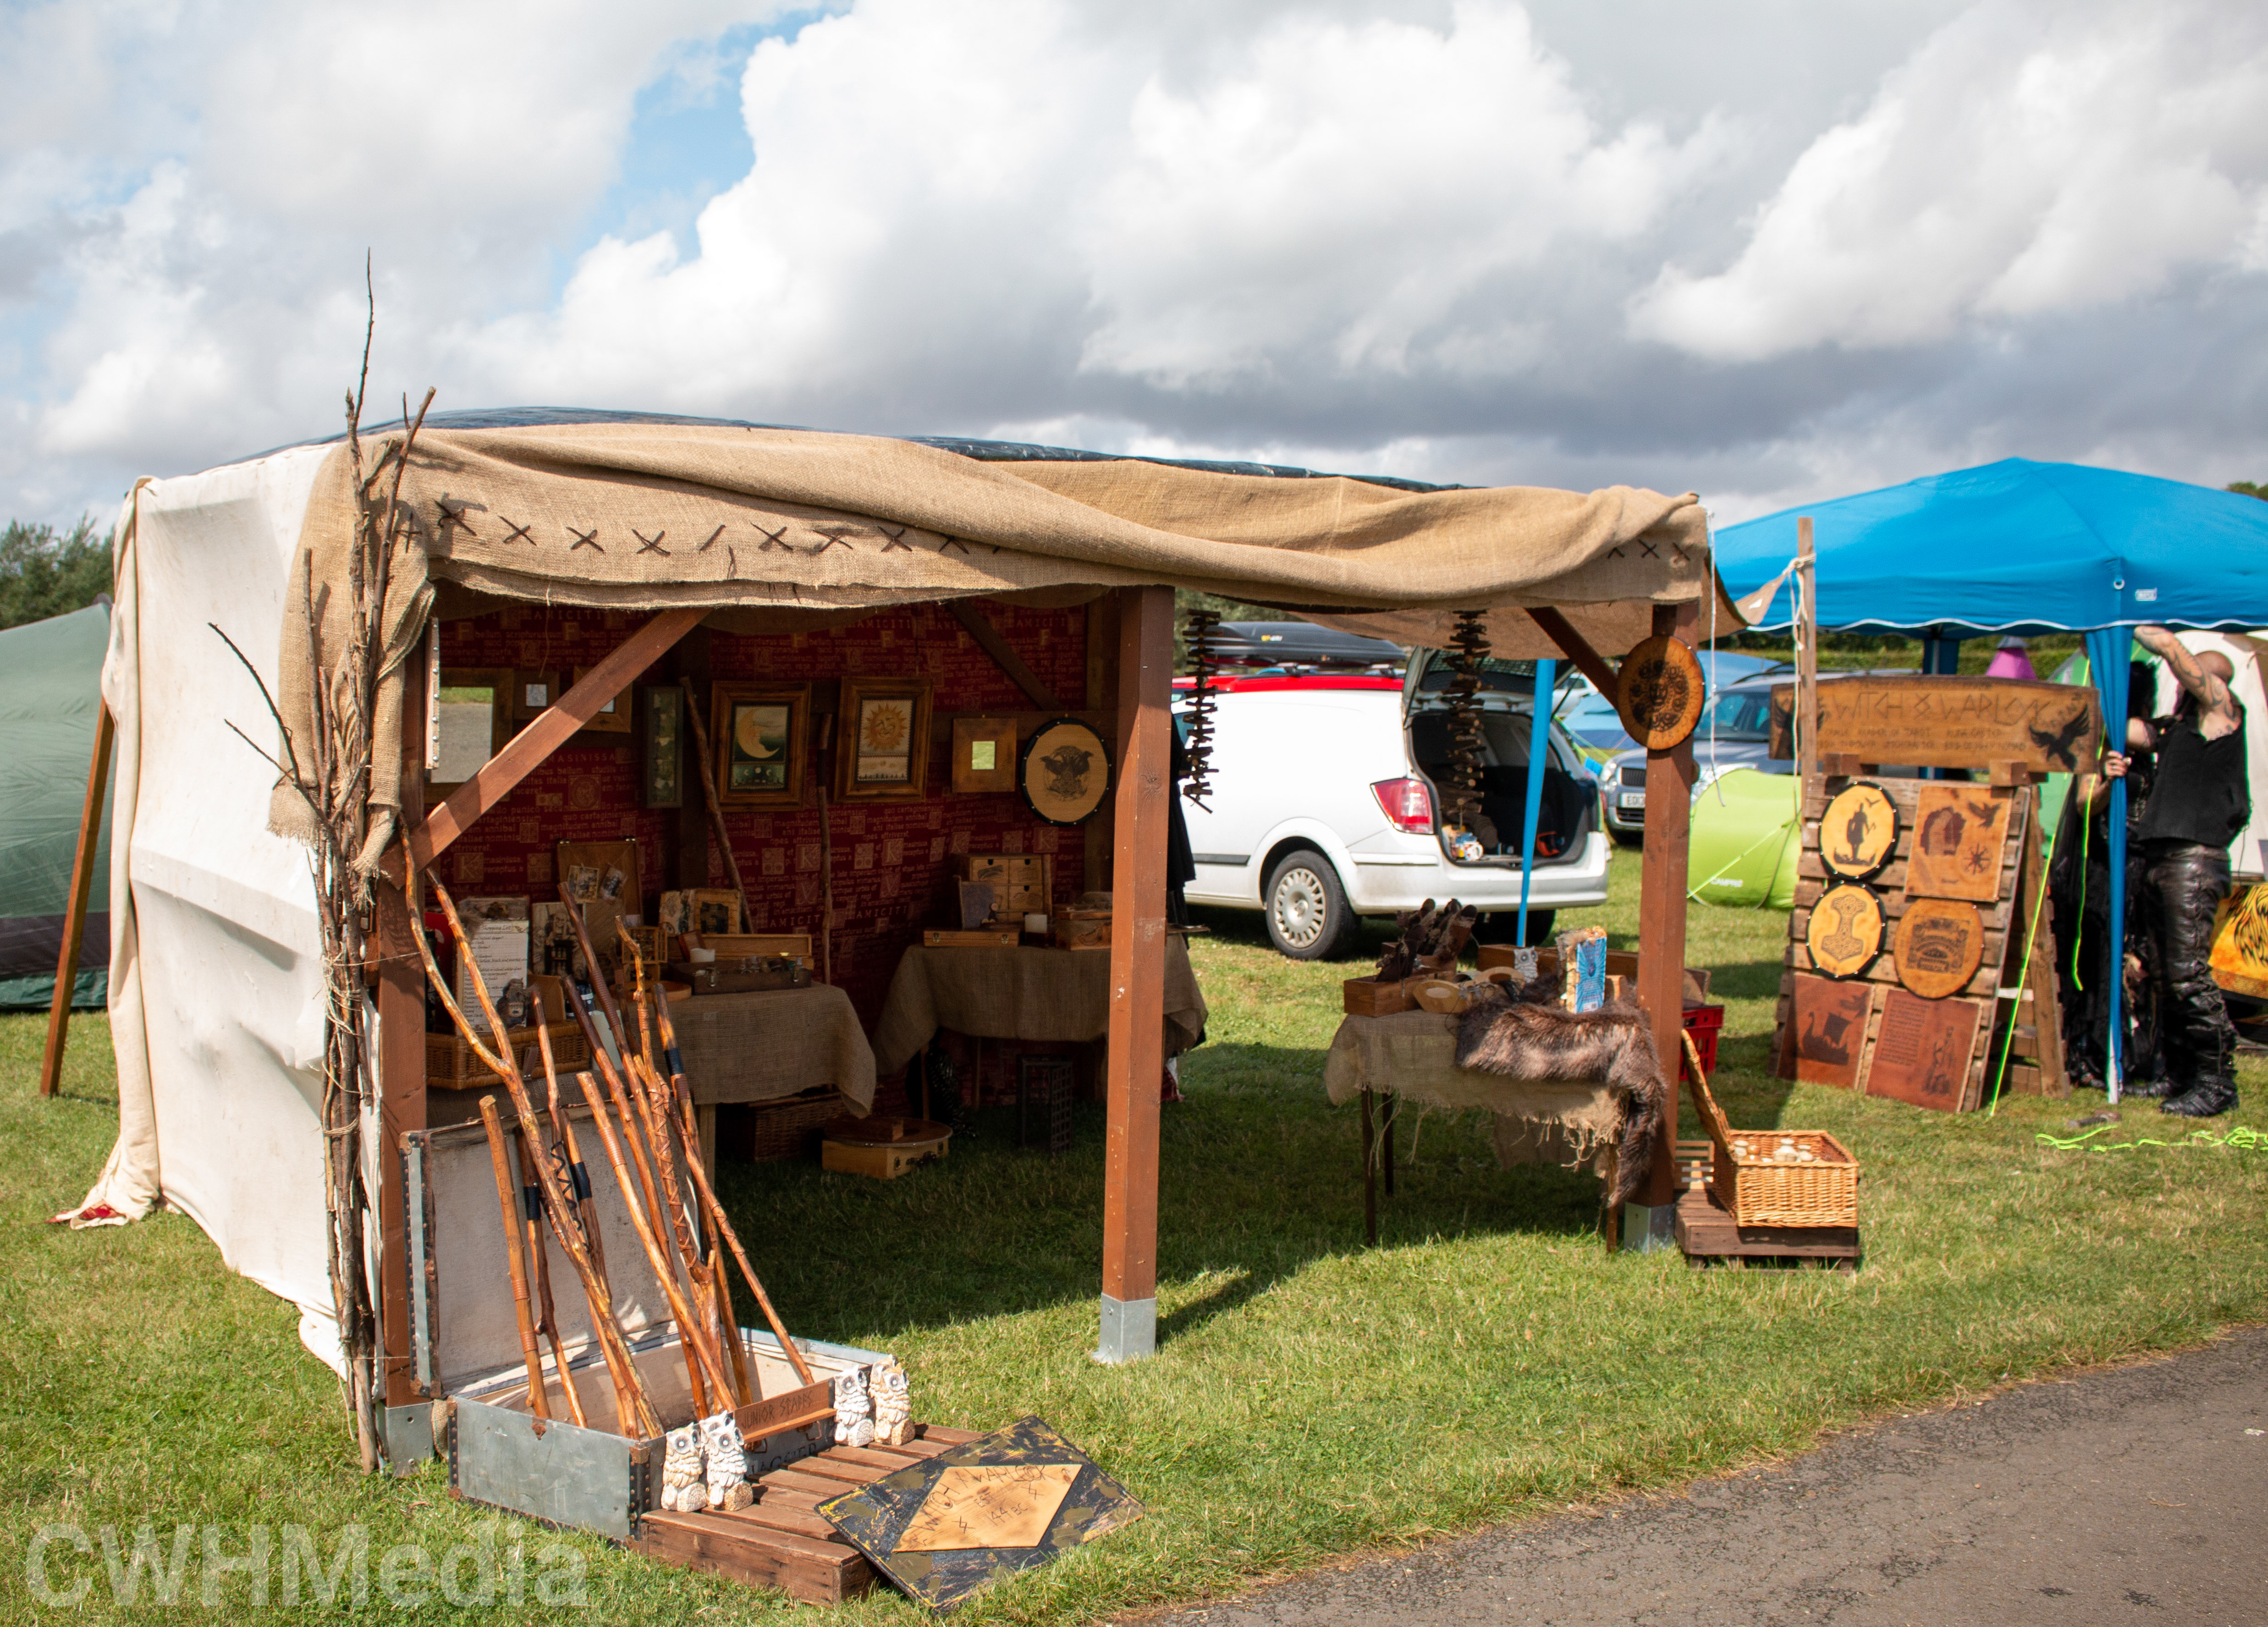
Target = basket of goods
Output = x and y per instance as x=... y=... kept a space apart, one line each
x=1775 y=1177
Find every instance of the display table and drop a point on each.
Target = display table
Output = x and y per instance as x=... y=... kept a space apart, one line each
x=773 y=1042
x=1412 y=1056
x=1050 y=994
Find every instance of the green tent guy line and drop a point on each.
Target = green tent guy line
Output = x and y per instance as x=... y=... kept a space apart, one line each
x=2242 y=1139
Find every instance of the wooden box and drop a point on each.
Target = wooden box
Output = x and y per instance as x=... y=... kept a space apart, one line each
x=741 y=976
x=450 y=1064
x=881 y=1148
x=1082 y=929
x=976 y=938
x=1369 y=997
x=771 y=1132
x=1023 y=884
x=731 y=946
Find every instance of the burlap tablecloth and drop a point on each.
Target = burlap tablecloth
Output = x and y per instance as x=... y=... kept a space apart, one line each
x=1413 y=1055
x=1061 y=995
x=773 y=1042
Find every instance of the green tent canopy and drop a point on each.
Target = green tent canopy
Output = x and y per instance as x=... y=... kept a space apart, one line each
x=50 y=697
x=1745 y=841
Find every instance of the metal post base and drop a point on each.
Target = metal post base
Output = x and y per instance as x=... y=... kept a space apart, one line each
x=408 y=1437
x=1129 y=1330
x=1646 y=1228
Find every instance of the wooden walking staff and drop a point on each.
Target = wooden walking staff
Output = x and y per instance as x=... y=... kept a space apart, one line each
x=683 y=1098
x=633 y=1409
x=526 y=1160
x=699 y=1358
x=578 y=1175
x=708 y=797
x=507 y=1197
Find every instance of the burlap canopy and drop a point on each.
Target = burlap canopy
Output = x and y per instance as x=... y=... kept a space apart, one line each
x=799 y=524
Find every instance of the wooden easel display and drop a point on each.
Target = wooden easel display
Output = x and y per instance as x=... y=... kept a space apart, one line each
x=1934 y=1042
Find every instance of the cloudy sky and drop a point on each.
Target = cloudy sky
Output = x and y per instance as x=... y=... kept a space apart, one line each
x=1769 y=250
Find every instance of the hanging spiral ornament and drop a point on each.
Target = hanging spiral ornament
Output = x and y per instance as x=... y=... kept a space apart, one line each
x=1460 y=782
x=1205 y=664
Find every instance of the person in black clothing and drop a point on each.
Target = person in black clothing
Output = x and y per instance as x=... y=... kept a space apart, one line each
x=2078 y=891
x=2197 y=806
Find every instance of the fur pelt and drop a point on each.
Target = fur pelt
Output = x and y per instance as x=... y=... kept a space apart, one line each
x=1613 y=1045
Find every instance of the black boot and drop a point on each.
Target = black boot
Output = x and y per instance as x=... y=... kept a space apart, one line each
x=2208 y=1099
x=2149 y=1090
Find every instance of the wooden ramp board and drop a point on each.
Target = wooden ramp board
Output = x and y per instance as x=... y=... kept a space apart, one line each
x=1706 y=1231
x=782 y=1541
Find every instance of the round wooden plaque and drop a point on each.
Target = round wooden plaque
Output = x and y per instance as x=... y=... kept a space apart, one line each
x=1846 y=933
x=1065 y=772
x=1859 y=832
x=1939 y=945
x=1659 y=693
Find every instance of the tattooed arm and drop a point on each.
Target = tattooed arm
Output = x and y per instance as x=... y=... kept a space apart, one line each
x=2216 y=709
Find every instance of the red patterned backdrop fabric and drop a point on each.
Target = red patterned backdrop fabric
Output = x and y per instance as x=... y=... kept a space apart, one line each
x=891 y=861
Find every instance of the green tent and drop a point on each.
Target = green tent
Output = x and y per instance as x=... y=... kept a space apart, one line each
x=50 y=697
x=1745 y=841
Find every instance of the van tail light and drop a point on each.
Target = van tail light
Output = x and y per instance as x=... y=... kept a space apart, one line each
x=1409 y=805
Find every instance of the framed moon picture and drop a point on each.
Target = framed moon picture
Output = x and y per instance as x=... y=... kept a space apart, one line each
x=760 y=736
x=881 y=751
x=1064 y=772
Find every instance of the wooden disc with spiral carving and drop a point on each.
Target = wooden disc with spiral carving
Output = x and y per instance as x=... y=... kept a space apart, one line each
x=1845 y=932
x=1659 y=692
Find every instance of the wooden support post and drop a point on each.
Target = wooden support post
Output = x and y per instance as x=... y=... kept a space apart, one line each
x=978 y=626
x=1661 y=943
x=1577 y=649
x=1386 y=1140
x=1138 y=976
x=1369 y=1177
x=401 y=1076
x=82 y=885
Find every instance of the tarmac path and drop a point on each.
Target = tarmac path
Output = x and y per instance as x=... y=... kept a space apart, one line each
x=2134 y=1494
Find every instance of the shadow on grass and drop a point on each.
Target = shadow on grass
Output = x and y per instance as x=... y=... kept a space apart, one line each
x=1259 y=1176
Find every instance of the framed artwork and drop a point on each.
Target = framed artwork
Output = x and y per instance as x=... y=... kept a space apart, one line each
x=1922 y=1051
x=533 y=693
x=1065 y=772
x=472 y=719
x=881 y=751
x=761 y=734
x=602 y=879
x=661 y=759
x=612 y=718
x=712 y=910
x=1960 y=832
x=983 y=754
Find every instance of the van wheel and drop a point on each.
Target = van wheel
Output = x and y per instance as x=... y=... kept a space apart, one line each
x=1309 y=916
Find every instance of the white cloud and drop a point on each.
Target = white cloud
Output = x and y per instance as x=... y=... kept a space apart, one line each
x=2028 y=161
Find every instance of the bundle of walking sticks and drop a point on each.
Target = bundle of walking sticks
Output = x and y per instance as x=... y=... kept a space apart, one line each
x=644 y=1118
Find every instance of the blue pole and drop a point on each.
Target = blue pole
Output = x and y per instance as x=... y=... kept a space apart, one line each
x=1539 y=756
x=2109 y=650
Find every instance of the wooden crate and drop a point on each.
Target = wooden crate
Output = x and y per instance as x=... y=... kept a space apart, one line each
x=450 y=1064
x=979 y=937
x=731 y=946
x=1082 y=929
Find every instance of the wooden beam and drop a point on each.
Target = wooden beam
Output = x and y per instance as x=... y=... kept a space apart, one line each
x=82 y=883
x=1578 y=649
x=975 y=623
x=401 y=1076
x=528 y=751
x=1137 y=974
x=1662 y=911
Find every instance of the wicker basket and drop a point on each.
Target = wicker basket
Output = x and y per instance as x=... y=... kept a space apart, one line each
x=776 y=1132
x=1757 y=1188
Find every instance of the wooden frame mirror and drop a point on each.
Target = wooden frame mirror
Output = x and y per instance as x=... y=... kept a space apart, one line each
x=473 y=716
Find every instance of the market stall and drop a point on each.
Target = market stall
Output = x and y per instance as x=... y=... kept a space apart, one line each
x=485 y=652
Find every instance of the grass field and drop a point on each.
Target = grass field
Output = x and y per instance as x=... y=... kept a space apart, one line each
x=1310 y=1398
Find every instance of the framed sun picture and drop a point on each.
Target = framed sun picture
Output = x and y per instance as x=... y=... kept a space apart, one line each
x=883 y=749
x=760 y=735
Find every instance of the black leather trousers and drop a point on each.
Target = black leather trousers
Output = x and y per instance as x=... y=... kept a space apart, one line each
x=2183 y=885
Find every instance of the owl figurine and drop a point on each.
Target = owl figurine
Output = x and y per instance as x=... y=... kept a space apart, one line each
x=728 y=1483
x=854 y=1423
x=892 y=1395
x=682 y=1491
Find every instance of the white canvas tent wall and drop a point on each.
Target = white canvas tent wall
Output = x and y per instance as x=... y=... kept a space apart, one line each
x=218 y=991
x=216 y=984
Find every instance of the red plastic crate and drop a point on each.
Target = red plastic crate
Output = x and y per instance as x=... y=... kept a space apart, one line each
x=1702 y=1022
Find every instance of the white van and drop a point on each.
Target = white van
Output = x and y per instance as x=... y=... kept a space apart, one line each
x=1323 y=807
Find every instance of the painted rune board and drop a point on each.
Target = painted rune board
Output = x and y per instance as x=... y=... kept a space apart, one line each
x=1959 y=834
x=1013 y=1501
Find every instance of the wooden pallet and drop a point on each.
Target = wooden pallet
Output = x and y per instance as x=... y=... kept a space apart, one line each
x=782 y=1540
x=1706 y=1233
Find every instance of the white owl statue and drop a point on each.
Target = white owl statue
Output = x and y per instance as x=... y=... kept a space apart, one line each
x=893 y=1395
x=682 y=1491
x=728 y=1462
x=854 y=1423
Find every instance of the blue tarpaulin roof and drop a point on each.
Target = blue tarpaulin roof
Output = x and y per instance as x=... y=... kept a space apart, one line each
x=2018 y=547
